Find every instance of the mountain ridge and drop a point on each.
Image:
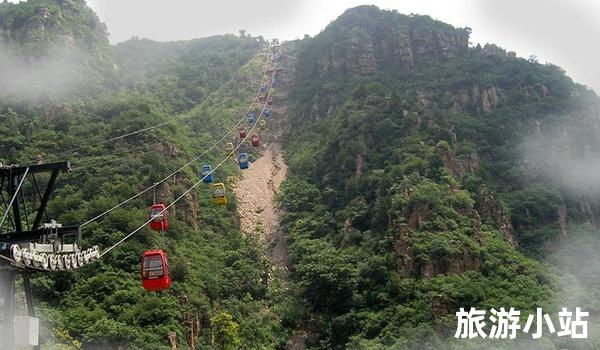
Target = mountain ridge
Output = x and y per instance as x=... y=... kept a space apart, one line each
x=424 y=175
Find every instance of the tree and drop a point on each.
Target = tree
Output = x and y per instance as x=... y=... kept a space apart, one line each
x=224 y=331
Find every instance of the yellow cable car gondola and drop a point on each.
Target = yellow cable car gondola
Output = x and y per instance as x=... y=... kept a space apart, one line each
x=229 y=148
x=219 y=196
x=262 y=125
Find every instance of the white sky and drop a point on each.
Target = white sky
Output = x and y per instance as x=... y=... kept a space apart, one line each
x=563 y=32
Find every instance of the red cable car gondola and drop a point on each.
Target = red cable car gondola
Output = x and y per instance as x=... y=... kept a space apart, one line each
x=270 y=101
x=255 y=140
x=155 y=271
x=160 y=221
x=243 y=133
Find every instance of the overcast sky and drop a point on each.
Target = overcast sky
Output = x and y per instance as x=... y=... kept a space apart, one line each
x=563 y=32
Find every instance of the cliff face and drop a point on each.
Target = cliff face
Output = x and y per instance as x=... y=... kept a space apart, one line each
x=466 y=161
x=68 y=23
x=363 y=47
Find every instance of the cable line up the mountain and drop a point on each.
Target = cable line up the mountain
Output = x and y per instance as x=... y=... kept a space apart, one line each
x=183 y=166
x=140 y=131
x=30 y=257
x=195 y=184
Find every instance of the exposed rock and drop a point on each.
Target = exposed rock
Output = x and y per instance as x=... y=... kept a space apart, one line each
x=368 y=50
x=360 y=57
x=314 y=112
x=490 y=210
x=423 y=42
x=190 y=207
x=485 y=101
x=475 y=96
x=360 y=164
x=403 y=252
x=172 y=336
x=424 y=98
x=331 y=107
x=459 y=166
x=542 y=89
x=490 y=50
x=462 y=99
x=493 y=97
x=562 y=220
x=449 y=160
x=441 y=306
x=166 y=149
x=479 y=98
x=403 y=52
x=450 y=265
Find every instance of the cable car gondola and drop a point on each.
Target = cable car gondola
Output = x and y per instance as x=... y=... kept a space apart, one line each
x=263 y=87
x=243 y=161
x=229 y=148
x=160 y=221
x=155 y=271
x=270 y=101
x=243 y=133
x=206 y=174
x=219 y=196
x=251 y=117
x=262 y=125
x=267 y=112
x=255 y=140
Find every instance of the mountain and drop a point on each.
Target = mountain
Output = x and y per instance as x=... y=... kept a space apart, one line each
x=427 y=175
x=52 y=48
x=183 y=72
x=199 y=88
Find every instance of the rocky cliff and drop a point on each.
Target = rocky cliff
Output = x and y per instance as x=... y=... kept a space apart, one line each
x=364 y=45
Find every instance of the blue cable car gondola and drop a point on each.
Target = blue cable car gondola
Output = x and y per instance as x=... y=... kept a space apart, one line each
x=243 y=161
x=263 y=87
x=206 y=174
x=251 y=117
x=267 y=112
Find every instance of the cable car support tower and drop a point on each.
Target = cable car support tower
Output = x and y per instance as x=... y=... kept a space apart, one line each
x=27 y=247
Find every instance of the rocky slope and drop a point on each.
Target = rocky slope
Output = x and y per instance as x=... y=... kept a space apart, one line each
x=427 y=175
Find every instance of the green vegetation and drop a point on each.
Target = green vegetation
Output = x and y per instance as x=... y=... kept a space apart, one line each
x=203 y=86
x=408 y=184
x=424 y=176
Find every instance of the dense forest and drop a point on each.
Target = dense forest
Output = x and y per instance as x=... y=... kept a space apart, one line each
x=425 y=175
x=204 y=86
x=428 y=175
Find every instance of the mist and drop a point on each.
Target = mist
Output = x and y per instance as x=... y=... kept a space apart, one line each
x=54 y=74
x=44 y=73
x=566 y=155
